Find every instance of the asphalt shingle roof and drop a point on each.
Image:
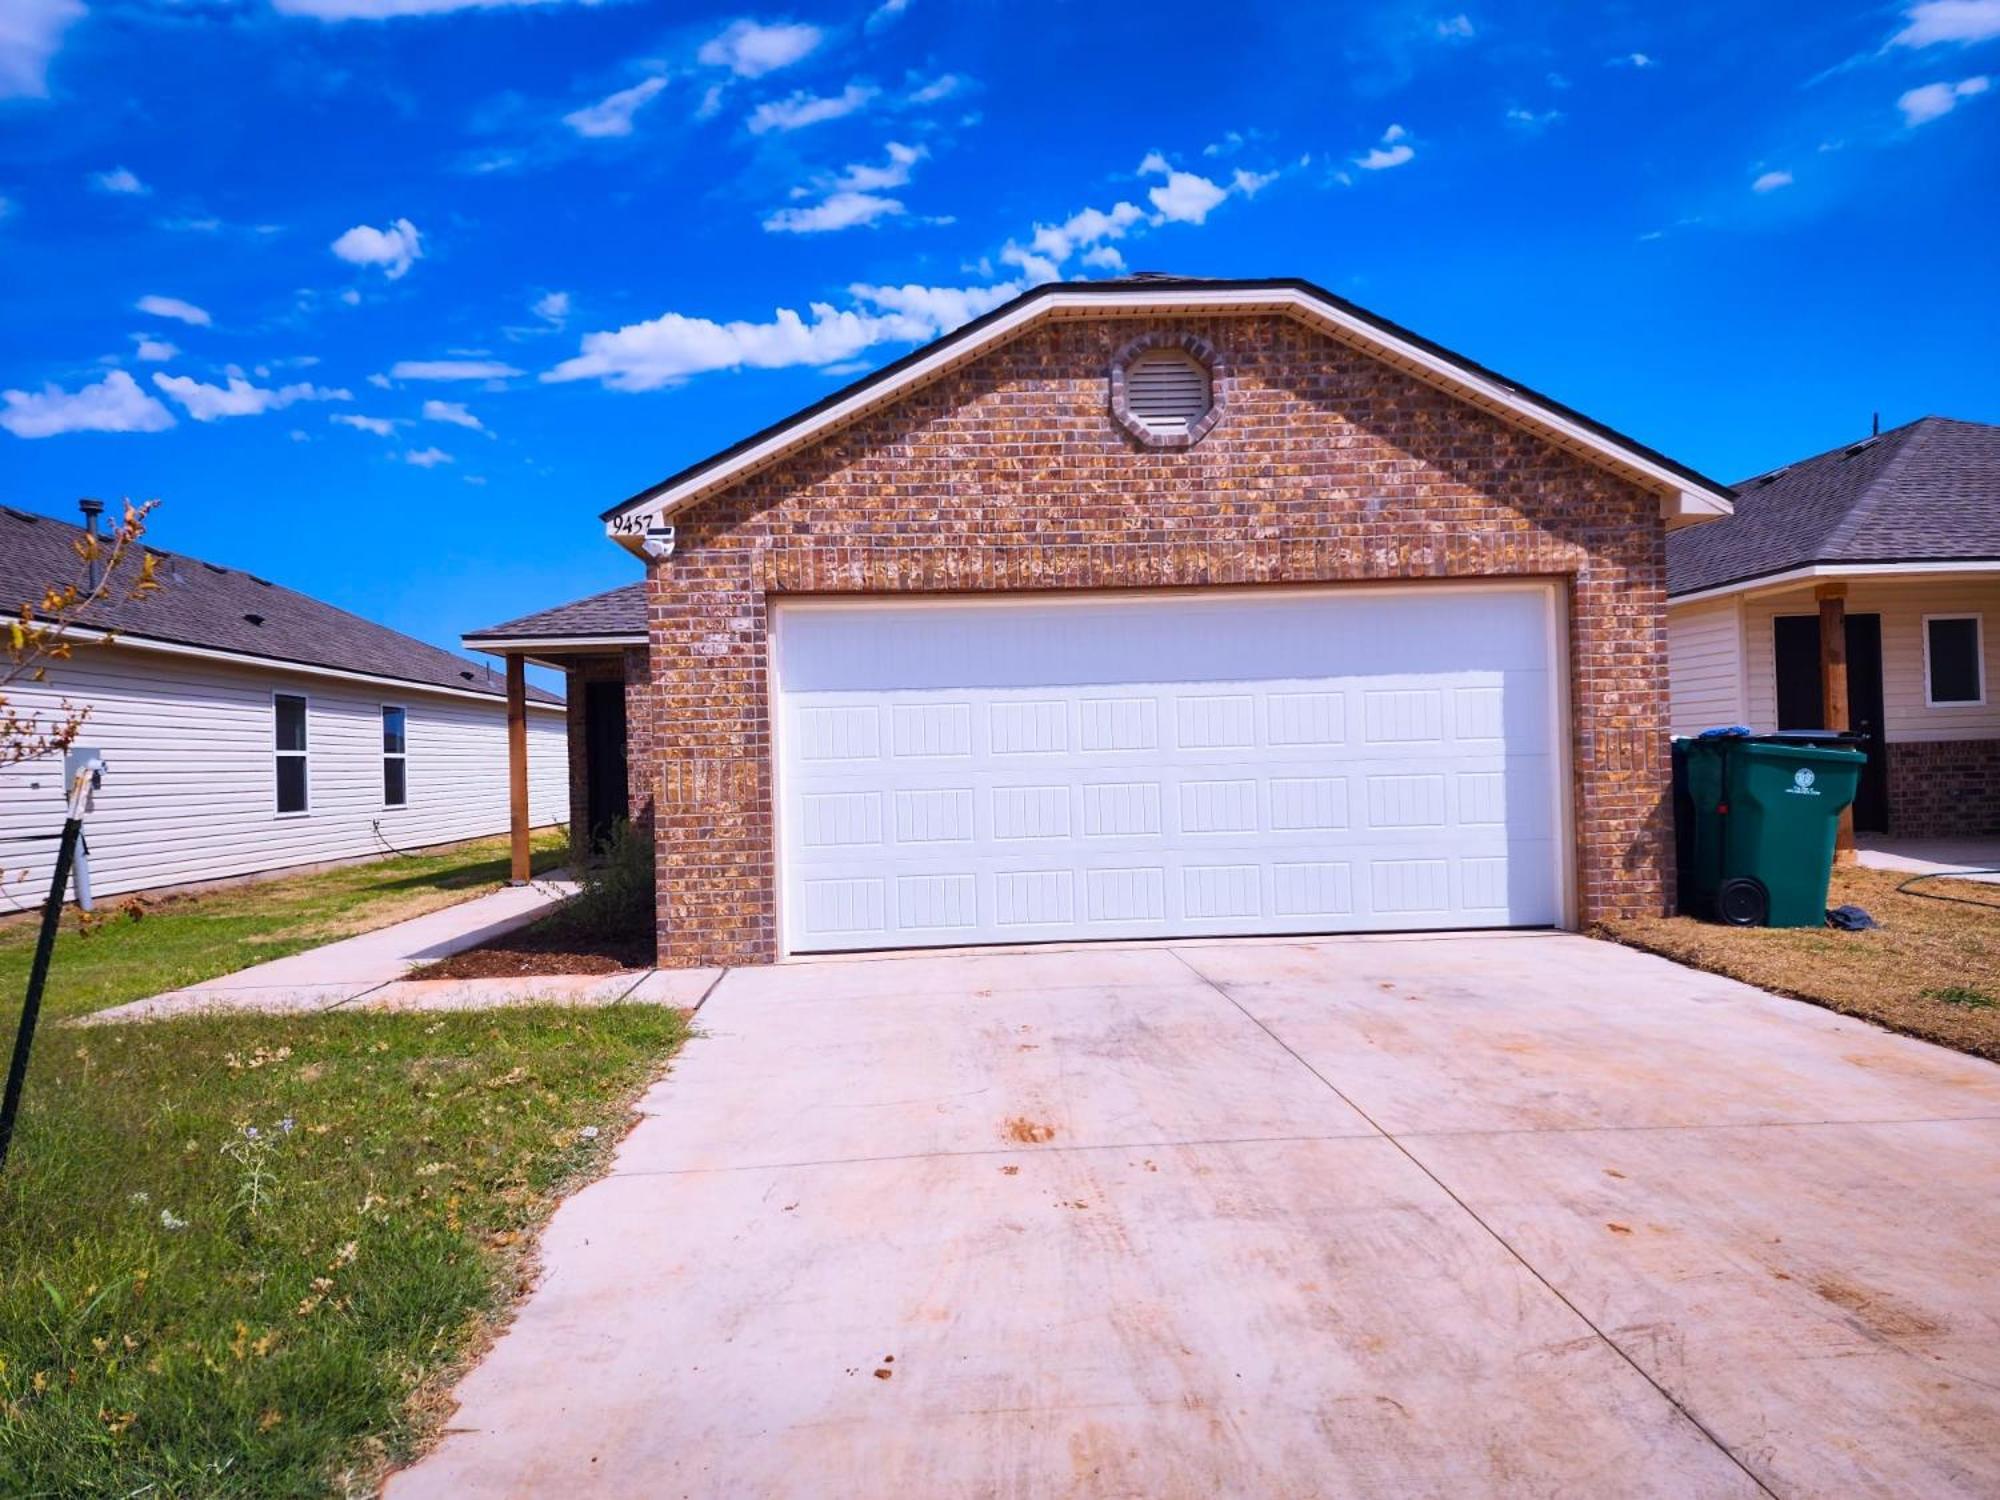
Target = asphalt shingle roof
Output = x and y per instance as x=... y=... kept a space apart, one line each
x=226 y=609
x=1925 y=492
x=619 y=611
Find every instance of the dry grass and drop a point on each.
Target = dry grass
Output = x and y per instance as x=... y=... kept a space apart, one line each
x=1932 y=969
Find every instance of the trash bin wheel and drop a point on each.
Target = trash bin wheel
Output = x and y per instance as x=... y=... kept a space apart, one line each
x=1743 y=902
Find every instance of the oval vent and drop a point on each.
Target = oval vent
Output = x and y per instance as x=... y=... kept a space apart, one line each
x=1167 y=391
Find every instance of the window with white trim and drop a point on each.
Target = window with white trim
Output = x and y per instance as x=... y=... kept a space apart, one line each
x=288 y=717
x=1954 y=661
x=395 y=757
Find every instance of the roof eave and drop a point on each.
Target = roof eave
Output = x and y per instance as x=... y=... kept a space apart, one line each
x=1686 y=496
x=1778 y=578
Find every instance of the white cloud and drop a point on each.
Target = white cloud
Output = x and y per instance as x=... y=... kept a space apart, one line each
x=1392 y=151
x=1770 y=182
x=173 y=307
x=451 y=369
x=1922 y=105
x=837 y=211
x=1454 y=28
x=30 y=33
x=860 y=177
x=428 y=458
x=711 y=103
x=1186 y=197
x=119 y=180
x=153 y=351
x=941 y=87
x=380 y=426
x=886 y=13
x=239 y=398
x=113 y=404
x=552 y=307
x=1631 y=60
x=1530 y=120
x=1151 y=163
x=672 y=347
x=386 y=10
x=1248 y=183
x=612 y=116
x=802 y=109
x=453 y=412
x=1959 y=21
x=750 y=51
x=393 y=249
x=1104 y=258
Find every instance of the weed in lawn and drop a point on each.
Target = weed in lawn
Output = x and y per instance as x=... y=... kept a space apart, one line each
x=241 y=1255
x=1963 y=995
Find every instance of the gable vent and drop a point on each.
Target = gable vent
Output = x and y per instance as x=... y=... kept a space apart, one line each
x=1166 y=391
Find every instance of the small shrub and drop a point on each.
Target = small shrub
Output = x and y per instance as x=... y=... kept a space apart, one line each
x=617 y=890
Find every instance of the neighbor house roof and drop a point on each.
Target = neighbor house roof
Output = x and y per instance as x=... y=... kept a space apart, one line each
x=1688 y=493
x=613 y=617
x=210 y=609
x=1928 y=492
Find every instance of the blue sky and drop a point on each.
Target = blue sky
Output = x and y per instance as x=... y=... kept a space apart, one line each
x=388 y=298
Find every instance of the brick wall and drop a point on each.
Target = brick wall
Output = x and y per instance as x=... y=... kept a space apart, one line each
x=1011 y=474
x=1944 y=788
x=580 y=671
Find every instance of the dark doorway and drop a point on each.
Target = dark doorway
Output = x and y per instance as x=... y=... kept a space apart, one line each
x=604 y=755
x=1800 y=706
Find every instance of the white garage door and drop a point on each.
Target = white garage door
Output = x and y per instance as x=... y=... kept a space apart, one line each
x=1168 y=765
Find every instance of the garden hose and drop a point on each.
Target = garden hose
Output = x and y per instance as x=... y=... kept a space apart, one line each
x=1948 y=875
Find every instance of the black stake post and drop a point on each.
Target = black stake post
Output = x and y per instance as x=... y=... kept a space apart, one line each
x=31 y=1008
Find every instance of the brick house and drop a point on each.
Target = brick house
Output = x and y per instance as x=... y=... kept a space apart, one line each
x=1858 y=590
x=1145 y=607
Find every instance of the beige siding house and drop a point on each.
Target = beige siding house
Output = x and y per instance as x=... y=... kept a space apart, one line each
x=1876 y=565
x=338 y=739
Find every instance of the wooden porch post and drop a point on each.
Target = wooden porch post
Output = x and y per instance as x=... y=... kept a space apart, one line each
x=517 y=767
x=1833 y=689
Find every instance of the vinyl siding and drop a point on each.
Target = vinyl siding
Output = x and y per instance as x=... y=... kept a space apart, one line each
x=1902 y=604
x=190 y=785
x=1705 y=666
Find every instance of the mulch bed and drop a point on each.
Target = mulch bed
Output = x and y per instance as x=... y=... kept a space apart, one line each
x=544 y=948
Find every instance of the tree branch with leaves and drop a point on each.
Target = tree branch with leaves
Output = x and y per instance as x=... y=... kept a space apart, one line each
x=42 y=632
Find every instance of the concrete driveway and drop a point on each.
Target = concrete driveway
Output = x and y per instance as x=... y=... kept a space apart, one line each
x=1513 y=1215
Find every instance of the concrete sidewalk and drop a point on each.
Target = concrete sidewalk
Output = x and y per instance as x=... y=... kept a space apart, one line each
x=1931 y=856
x=365 y=972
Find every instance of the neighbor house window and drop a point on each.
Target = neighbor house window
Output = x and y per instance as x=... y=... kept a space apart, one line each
x=289 y=716
x=395 y=759
x=1954 y=668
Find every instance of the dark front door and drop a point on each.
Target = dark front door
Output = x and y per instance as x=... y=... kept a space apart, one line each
x=1800 y=706
x=604 y=755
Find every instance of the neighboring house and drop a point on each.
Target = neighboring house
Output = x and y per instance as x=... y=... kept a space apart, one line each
x=249 y=728
x=1887 y=551
x=1142 y=608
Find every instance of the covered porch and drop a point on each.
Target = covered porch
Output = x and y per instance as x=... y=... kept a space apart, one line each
x=599 y=645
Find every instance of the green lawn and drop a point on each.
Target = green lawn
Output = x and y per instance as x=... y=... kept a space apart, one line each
x=144 y=947
x=190 y=1310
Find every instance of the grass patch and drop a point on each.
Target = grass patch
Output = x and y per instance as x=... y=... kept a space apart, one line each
x=149 y=945
x=1922 y=972
x=186 y=1309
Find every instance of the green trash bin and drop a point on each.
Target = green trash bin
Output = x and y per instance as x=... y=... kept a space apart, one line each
x=1757 y=836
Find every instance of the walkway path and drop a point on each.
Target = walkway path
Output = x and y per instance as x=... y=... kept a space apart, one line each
x=366 y=972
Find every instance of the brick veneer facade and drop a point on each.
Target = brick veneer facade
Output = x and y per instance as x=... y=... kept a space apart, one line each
x=1010 y=474
x=1944 y=788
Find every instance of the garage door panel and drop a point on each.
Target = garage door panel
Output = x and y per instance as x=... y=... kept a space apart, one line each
x=1041 y=808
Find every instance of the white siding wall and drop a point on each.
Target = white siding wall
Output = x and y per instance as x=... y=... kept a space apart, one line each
x=1705 y=665
x=1902 y=604
x=190 y=788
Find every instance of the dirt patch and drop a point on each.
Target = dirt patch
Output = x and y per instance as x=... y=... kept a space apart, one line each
x=1880 y=1312
x=1028 y=1132
x=1928 y=971
x=549 y=946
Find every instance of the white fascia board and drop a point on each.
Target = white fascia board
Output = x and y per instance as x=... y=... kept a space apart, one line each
x=118 y=638
x=496 y=645
x=1773 y=581
x=1678 y=500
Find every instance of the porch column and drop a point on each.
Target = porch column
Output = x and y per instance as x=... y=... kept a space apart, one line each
x=1833 y=689
x=517 y=767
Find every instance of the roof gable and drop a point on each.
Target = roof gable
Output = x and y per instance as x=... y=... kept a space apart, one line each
x=1686 y=494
